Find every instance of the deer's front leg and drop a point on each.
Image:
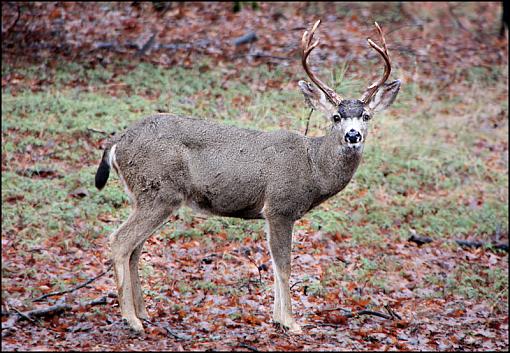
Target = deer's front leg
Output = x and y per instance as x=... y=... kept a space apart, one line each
x=280 y=243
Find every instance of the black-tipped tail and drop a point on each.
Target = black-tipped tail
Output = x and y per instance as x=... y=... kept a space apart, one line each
x=103 y=172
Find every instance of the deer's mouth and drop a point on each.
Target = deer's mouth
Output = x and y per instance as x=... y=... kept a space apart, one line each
x=355 y=145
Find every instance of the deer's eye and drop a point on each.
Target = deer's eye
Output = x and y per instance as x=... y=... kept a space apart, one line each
x=366 y=116
x=336 y=118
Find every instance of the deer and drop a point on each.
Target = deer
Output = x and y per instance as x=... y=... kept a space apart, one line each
x=166 y=161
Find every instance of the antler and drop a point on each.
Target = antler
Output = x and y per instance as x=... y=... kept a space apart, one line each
x=307 y=48
x=369 y=92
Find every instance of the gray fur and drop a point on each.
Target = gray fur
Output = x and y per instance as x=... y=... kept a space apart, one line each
x=166 y=160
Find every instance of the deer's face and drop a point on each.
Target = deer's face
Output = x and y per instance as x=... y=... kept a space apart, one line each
x=350 y=122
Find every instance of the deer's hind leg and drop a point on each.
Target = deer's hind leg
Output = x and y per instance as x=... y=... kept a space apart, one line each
x=126 y=246
x=140 y=310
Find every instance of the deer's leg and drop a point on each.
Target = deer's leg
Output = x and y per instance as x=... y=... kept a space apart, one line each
x=277 y=317
x=277 y=308
x=280 y=242
x=140 y=310
x=131 y=235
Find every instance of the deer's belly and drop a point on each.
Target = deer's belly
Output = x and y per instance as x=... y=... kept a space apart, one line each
x=239 y=202
x=245 y=213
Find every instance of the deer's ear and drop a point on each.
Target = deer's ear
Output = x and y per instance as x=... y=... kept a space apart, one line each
x=316 y=99
x=384 y=96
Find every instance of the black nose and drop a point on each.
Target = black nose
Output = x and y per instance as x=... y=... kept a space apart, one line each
x=352 y=136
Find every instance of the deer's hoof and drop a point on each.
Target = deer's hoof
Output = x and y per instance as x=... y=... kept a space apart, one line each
x=142 y=315
x=290 y=327
x=134 y=325
x=294 y=329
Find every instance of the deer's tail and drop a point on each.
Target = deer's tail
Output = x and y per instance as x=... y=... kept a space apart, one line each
x=103 y=171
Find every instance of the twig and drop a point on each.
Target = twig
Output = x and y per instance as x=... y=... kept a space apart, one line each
x=49 y=311
x=456 y=19
x=261 y=56
x=168 y=330
x=392 y=313
x=248 y=347
x=420 y=240
x=15 y=21
x=26 y=317
x=322 y=324
x=349 y=314
x=298 y=282
x=259 y=268
x=74 y=288
x=147 y=45
x=369 y=312
x=40 y=172
x=333 y=309
x=91 y=129
x=308 y=121
x=171 y=333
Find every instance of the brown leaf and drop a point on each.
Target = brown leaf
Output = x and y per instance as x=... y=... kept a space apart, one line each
x=334 y=318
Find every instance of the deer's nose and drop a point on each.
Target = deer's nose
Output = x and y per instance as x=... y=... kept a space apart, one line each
x=352 y=136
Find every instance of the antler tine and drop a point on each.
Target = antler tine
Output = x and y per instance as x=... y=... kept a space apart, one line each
x=307 y=48
x=387 y=66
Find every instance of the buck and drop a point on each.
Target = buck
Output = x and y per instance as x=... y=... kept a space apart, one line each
x=165 y=161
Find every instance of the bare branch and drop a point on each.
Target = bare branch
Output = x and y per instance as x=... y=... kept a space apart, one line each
x=349 y=314
x=84 y=284
x=46 y=312
x=420 y=240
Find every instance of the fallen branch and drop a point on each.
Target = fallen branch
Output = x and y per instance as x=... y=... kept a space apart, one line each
x=23 y=315
x=370 y=312
x=349 y=314
x=420 y=240
x=248 y=347
x=168 y=330
x=392 y=313
x=48 y=311
x=244 y=39
x=147 y=45
x=84 y=284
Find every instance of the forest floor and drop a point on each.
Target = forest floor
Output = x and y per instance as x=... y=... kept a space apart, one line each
x=435 y=165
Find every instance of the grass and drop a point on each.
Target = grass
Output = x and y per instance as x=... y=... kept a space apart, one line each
x=434 y=163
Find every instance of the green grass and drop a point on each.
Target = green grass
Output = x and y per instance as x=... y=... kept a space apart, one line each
x=434 y=165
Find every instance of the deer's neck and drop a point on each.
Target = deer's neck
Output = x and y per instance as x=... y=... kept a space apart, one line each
x=333 y=164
